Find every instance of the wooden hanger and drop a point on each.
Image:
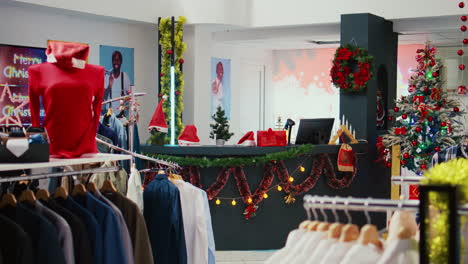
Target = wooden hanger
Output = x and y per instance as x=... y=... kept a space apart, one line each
x=370 y=234
x=91 y=187
x=42 y=194
x=322 y=227
x=79 y=189
x=61 y=192
x=27 y=196
x=334 y=231
x=8 y=199
x=405 y=233
x=108 y=187
x=313 y=225
x=349 y=233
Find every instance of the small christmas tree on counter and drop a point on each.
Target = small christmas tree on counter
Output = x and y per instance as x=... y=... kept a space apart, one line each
x=424 y=121
x=220 y=129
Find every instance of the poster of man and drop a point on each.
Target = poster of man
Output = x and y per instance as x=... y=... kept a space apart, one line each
x=119 y=76
x=221 y=85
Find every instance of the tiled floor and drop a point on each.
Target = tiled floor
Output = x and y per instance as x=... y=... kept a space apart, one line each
x=242 y=257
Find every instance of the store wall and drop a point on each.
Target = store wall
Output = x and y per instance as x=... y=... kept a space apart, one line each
x=32 y=26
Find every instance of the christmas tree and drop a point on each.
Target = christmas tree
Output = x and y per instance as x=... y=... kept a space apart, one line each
x=220 y=129
x=424 y=121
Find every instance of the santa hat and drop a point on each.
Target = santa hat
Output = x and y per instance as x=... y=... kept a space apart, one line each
x=159 y=119
x=189 y=136
x=247 y=140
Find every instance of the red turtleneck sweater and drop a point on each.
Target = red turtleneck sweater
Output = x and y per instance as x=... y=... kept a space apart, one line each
x=71 y=97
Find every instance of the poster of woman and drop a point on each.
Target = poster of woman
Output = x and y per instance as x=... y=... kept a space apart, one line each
x=221 y=85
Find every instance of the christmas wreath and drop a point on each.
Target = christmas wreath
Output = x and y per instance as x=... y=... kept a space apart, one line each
x=352 y=68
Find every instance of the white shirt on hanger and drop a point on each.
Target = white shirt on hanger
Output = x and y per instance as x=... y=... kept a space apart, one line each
x=293 y=238
x=400 y=251
x=196 y=235
x=336 y=252
x=309 y=248
x=135 y=190
x=362 y=254
x=321 y=250
x=299 y=247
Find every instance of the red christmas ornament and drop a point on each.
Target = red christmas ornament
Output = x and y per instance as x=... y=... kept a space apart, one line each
x=389 y=164
x=404 y=116
x=396 y=109
x=461 y=67
x=162 y=74
x=411 y=89
x=437 y=149
x=403 y=162
x=423 y=166
x=169 y=52
x=414 y=143
x=442 y=124
x=181 y=61
x=432 y=63
x=461 y=5
x=462 y=89
x=159 y=95
x=177 y=93
x=430 y=119
x=418 y=129
x=465 y=41
x=426 y=90
x=390 y=118
x=406 y=155
x=460 y=52
x=463 y=18
x=463 y=28
x=456 y=109
x=435 y=74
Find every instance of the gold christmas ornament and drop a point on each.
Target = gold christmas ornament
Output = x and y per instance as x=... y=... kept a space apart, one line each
x=289 y=199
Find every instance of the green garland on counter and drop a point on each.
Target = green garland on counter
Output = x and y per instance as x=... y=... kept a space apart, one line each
x=205 y=162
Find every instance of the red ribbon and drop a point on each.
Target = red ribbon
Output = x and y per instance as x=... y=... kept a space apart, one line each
x=423 y=111
x=418 y=98
x=435 y=95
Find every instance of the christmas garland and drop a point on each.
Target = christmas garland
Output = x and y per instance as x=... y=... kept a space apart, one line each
x=165 y=28
x=205 y=162
x=352 y=68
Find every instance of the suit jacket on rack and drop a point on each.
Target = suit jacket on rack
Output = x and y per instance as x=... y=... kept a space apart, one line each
x=164 y=220
x=15 y=243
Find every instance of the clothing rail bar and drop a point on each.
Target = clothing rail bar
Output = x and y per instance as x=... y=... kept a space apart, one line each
x=406 y=180
x=162 y=162
x=366 y=204
x=57 y=174
x=122 y=97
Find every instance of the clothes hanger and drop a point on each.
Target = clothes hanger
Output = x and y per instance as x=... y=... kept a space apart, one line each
x=335 y=229
x=303 y=224
x=8 y=199
x=312 y=226
x=27 y=196
x=42 y=194
x=91 y=187
x=79 y=189
x=369 y=233
x=108 y=186
x=350 y=232
x=61 y=192
x=325 y=225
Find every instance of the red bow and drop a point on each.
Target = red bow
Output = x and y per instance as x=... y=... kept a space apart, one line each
x=423 y=111
x=400 y=131
x=435 y=95
x=418 y=98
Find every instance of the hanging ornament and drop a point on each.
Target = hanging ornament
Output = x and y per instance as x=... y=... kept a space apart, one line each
x=181 y=61
x=463 y=18
x=463 y=28
x=403 y=162
x=169 y=52
x=418 y=150
x=423 y=166
x=177 y=93
x=396 y=109
x=460 y=52
x=456 y=109
x=462 y=89
x=465 y=41
x=430 y=118
x=435 y=74
x=389 y=164
x=414 y=143
x=443 y=124
x=437 y=149
x=218 y=202
x=418 y=129
x=461 y=67
x=160 y=95
x=233 y=202
x=412 y=88
x=279 y=188
x=390 y=118
x=404 y=116
x=432 y=63
x=406 y=156
x=461 y=5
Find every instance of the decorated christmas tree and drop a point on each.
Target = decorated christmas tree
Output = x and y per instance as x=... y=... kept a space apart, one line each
x=220 y=129
x=424 y=121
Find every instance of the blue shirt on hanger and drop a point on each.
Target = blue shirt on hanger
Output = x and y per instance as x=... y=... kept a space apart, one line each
x=163 y=215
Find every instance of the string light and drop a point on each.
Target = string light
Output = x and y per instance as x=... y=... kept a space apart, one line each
x=291 y=179
x=233 y=202
x=249 y=200
x=265 y=195
x=279 y=188
x=218 y=202
x=301 y=169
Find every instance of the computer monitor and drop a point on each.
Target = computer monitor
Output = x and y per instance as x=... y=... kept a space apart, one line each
x=314 y=131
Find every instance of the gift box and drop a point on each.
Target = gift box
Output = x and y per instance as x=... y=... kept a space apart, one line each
x=271 y=138
x=36 y=151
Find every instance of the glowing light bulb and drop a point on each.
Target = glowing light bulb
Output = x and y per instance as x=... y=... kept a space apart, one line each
x=301 y=169
x=265 y=195
x=233 y=202
x=279 y=188
x=218 y=202
x=291 y=179
x=249 y=200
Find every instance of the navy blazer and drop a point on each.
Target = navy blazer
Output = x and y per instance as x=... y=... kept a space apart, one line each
x=164 y=220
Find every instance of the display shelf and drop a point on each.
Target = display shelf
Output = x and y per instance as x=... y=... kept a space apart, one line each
x=99 y=157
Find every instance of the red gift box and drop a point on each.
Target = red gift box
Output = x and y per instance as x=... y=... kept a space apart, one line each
x=271 y=138
x=414 y=192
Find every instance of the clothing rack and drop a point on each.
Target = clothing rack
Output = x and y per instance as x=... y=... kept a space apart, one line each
x=411 y=180
x=57 y=174
x=365 y=204
x=124 y=97
x=140 y=156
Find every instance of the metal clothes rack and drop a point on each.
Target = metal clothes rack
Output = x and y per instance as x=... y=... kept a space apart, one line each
x=140 y=156
x=411 y=180
x=123 y=97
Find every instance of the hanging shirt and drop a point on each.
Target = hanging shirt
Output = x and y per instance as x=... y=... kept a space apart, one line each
x=81 y=240
x=321 y=249
x=400 y=251
x=92 y=226
x=16 y=245
x=363 y=254
x=113 y=248
x=72 y=93
x=135 y=189
x=196 y=236
x=63 y=231
x=293 y=237
x=336 y=252
x=163 y=215
x=309 y=247
x=136 y=227
x=300 y=246
x=209 y=228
